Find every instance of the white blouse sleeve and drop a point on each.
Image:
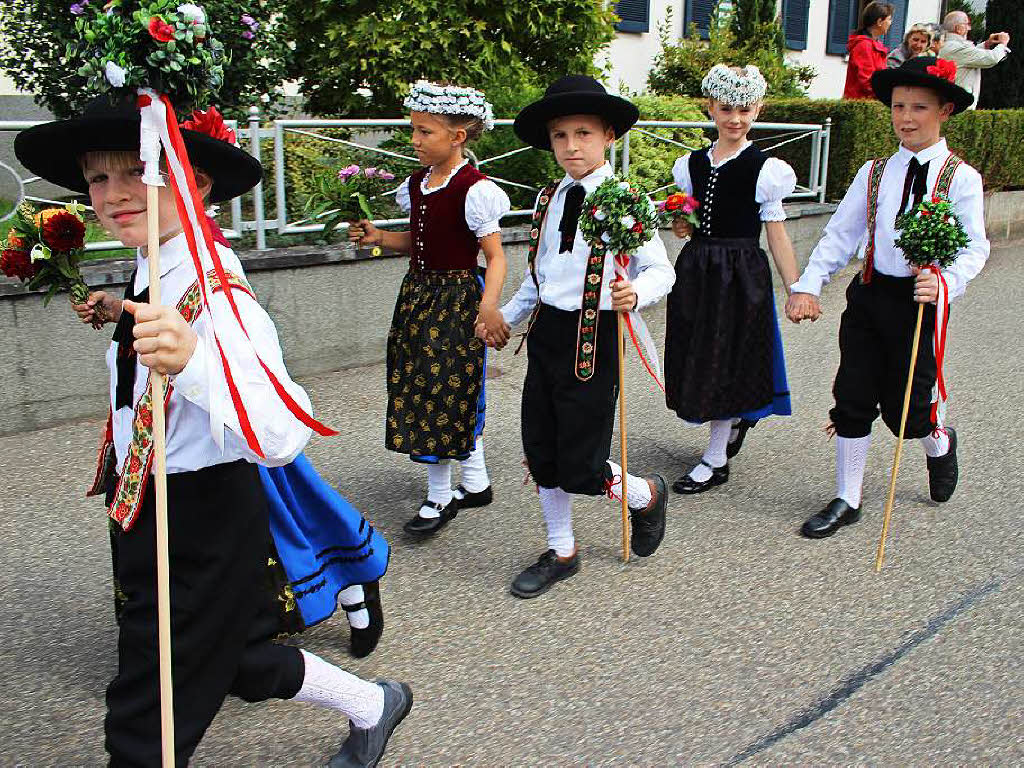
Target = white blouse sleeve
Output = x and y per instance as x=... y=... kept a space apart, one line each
x=776 y=181
x=681 y=174
x=486 y=203
x=402 y=197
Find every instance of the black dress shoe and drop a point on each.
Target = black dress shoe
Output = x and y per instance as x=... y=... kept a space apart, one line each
x=943 y=471
x=364 y=640
x=741 y=432
x=837 y=514
x=468 y=500
x=427 y=526
x=648 y=525
x=687 y=484
x=542 y=575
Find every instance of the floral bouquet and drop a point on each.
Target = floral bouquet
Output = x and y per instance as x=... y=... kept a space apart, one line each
x=618 y=216
x=45 y=249
x=160 y=44
x=345 y=195
x=931 y=233
x=679 y=206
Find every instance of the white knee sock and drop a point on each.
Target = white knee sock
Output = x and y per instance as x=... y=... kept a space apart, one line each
x=350 y=596
x=329 y=686
x=936 y=444
x=439 y=487
x=474 y=471
x=556 y=505
x=715 y=453
x=851 y=458
x=638 y=492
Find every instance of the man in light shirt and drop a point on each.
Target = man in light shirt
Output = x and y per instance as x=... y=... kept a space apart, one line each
x=970 y=59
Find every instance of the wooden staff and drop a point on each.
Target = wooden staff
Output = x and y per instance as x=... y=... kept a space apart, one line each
x=622 y=435
x=163 y=588
x=880 y=556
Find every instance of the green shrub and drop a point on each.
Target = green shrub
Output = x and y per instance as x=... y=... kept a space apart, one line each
x=651 y=160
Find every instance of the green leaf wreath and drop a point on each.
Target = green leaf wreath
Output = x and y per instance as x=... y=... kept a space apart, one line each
x=932 y=233
x=618 y=215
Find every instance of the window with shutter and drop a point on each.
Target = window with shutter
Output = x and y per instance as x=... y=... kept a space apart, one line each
x=795 y=16
x=699 y=12
x=843 y=16
x=894 y=37
x=634 y=15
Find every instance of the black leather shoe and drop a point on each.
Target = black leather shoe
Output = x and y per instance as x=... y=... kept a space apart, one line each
x=469 y=500
x=648 y=525
x=687 y=484
x=364 y=747
x=837 y=514
x=741 y=432
x=428 y=526
x=542 y=575
x=943 y=471
x=364 y=640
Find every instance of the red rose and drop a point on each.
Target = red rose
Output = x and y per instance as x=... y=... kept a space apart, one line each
x=943 y=68
x=63 y=231
x=17 y=264
x=638 y=228
x=210 y=123
x=160 y=30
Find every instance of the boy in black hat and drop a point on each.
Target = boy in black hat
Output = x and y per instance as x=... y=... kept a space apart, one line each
x=221 y=620
x=877 y=328
x=568 y=409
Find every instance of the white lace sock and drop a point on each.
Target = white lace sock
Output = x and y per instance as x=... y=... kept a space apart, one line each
x=851 y=458
x=474 y=471
x=329 y=686
x=350 y=596
x=715 y=453
x=439 y=487
x=638 y=492
x=936 y=444
x=556 y=505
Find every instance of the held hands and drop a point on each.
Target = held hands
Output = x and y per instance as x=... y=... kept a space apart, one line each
x=624 y=298
x=364 y=232
x=491 y=328
x=803 y=306
x=163 y=340
x=926 y=287
x=997 y=38
x=681 y=228
x=98 y=309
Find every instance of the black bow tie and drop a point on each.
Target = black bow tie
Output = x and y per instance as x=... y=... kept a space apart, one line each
x=916 y=182
x=571 y=216
x=124 y=389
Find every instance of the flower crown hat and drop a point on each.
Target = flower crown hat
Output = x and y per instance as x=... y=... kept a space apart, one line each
x=736 y=89
x=437 y=99
x=923 y=72
x=54 y=150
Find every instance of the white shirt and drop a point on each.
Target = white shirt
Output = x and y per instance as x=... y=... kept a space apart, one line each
x=561 y=275
x=190 y=445
x=775 y=182
x=970 y=59
x=486 y=202
x=848 y=224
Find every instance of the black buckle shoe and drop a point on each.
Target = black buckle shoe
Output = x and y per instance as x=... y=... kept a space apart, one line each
x=686 y=484
x=648 y=525
x=542 y=575
x=364 y=641
x=741 y=432
x=428 y=526
x=944 y=471
x=469 y=500
x=833 y=517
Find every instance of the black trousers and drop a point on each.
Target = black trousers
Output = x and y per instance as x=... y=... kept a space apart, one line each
x=567 y=423
x=222 y=620
x=876 y=334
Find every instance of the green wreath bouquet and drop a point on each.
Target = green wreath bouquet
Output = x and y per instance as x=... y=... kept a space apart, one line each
x=932 y=233
x=618 y=216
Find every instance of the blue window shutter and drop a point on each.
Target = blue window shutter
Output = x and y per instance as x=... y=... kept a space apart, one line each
x=795 y=16
x=894 y=37
x=635 y=15
x=843 y=16
x=699 y=12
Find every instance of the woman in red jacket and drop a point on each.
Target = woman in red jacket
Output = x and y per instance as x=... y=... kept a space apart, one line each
x=866 y=50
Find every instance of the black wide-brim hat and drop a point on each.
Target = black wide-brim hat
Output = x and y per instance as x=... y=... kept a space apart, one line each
x=922 y=72
x=54 y=150
x=573 y=95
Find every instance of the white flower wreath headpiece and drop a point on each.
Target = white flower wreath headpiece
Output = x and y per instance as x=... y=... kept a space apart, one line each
x=732 y=88
x=436 y=99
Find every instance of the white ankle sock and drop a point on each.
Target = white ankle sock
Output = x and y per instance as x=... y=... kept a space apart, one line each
x=638 y=492
x=474 y=471
x=851 y=458
x=715 y=453
x=936 y=444
x=439 y=487
x=350 y=596
x=556 y=505
x=329 y=686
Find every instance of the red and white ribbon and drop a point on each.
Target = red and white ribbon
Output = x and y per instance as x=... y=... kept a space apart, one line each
x=939 y=347
x=638 y=328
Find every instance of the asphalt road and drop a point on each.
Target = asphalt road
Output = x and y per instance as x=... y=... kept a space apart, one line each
x=738 y=642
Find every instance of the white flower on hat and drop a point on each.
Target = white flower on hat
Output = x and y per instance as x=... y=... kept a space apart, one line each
x=192 y=12
x=425 y=96
x=735 y=88
x=115 y=75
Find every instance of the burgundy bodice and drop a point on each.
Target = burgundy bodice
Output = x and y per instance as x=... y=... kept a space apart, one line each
x=441 y=239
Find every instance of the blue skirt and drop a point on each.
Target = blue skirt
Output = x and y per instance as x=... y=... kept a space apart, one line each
x=323 y=543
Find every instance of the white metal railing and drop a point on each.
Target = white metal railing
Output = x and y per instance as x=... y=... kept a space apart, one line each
x=779 y=134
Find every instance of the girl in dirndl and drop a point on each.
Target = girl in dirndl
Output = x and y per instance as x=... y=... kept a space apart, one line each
x=436 y=360
x=723 y=352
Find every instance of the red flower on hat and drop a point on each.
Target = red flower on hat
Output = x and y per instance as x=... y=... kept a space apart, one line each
x=943 y=68
x=211 y=123
x=160 y=30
